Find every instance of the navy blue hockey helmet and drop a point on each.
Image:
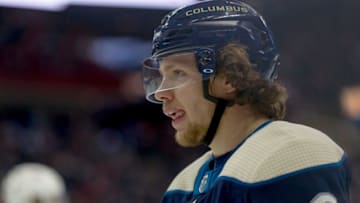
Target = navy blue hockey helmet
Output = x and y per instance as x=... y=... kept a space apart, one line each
x=203 y=28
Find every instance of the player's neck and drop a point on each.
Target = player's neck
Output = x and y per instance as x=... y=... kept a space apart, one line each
x=236 y=124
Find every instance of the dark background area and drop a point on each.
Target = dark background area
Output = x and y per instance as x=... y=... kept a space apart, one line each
x=89 y=120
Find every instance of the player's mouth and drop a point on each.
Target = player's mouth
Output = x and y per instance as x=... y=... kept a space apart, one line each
x=177 y=117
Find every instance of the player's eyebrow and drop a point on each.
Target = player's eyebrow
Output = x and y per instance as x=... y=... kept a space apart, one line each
x=166 y=68
x=182 y=63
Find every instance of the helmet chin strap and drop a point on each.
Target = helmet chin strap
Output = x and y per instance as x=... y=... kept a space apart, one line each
x=206 y=64
x=219 y=110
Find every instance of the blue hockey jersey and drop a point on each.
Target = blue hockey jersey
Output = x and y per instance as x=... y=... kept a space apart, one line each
x=280 y=162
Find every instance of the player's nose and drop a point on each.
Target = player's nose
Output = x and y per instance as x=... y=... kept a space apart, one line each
x=164 y=95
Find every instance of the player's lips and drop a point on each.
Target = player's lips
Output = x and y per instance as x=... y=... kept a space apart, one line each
x=175 y=115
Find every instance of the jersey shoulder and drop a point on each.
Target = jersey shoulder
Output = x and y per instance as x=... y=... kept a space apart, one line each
x=185 y=180
x=281 y=148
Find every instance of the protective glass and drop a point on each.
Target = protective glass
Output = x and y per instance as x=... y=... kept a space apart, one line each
x=169 y=73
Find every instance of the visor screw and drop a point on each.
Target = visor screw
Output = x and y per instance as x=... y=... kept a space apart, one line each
x=205 y=61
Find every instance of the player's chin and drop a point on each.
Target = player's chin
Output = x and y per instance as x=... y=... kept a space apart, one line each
x=186 y=140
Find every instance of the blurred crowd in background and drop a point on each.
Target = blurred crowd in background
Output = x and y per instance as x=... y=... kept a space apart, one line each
x=71 y=92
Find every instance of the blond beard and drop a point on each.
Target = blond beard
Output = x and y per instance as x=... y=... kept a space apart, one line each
x=191 y=137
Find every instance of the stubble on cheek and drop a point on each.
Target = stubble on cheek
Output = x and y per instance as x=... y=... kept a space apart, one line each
x=193 y=134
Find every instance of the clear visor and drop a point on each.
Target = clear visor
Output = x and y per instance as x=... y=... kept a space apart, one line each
x=169 y=73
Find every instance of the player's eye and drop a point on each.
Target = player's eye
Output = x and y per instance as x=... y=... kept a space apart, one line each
x=179 y=73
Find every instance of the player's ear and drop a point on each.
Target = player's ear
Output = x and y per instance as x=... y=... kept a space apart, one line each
x=221 y=87
x=228 y=87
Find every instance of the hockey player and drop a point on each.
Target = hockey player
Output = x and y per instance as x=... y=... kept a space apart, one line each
x=213 y=68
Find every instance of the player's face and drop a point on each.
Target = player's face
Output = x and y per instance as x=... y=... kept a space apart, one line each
x=184 y=104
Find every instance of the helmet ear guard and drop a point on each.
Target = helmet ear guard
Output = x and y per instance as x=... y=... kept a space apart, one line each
x=206 y=61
